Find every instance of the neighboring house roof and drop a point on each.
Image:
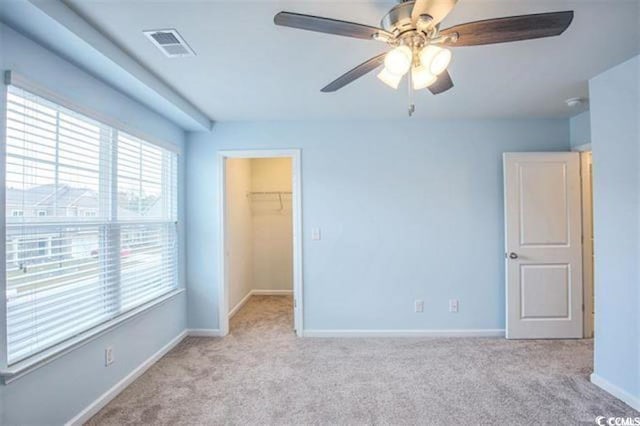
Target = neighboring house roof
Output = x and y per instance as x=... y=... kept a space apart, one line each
x=44 y=197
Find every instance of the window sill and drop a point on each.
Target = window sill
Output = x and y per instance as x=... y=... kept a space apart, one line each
x=9 y=374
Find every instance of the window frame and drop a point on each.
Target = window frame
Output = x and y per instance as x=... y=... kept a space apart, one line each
x=16 y=370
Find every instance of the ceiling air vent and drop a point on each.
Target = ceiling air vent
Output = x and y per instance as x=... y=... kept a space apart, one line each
x=170 y=42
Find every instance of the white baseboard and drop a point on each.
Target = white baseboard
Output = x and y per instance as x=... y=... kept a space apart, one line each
x=271 y=292
x=106 y=397
x=204 y=332
x=405 y=333
x=240 y=304
x=621 y=394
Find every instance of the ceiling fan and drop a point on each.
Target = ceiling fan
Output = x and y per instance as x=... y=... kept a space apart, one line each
x=412 y=28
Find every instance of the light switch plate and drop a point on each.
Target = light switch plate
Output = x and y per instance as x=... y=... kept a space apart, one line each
x=419 y=306
x=315 y=234
x=453 y=305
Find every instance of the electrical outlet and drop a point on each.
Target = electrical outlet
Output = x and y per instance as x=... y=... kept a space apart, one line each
x=108 y=356
x=453 y=305
x=315 y=234
x=419 y=305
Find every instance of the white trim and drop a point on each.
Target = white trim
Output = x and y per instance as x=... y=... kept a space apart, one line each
x=3 y=231
x=586 y=189
x=32 y=363
x=618 y=392
x=296 y=204
x=260 y=153
x=406 y=333
x=14 y=79
x=581 y=148
x=205 y=332
x=223 y=300
x=93 y=408
x=240 y=304
x=258 y=292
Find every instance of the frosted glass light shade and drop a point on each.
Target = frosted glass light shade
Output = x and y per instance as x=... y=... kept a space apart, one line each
x=398 y=60
x=422 y=78
x=435 y=59
x=390 y=79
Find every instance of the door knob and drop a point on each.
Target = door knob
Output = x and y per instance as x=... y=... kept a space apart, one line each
x=513 y=255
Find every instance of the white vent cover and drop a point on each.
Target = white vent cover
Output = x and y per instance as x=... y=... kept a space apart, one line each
x=170 y=42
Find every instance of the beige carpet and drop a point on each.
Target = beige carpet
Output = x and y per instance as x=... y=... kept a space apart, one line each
x=262 y=374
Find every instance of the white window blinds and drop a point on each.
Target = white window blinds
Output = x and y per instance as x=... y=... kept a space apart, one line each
x=90 y=223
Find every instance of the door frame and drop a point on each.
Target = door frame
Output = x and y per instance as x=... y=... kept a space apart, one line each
x=586 y=188
x=296 y=209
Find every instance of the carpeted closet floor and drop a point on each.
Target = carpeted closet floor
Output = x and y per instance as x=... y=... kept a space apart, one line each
x=261 y=373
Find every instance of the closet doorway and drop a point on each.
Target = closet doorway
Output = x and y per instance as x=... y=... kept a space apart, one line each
x=260 y=250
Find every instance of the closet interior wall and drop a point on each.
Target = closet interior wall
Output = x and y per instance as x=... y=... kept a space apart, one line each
x=259 y=243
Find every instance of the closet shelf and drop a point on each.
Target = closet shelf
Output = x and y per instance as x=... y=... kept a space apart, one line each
x=279 y=197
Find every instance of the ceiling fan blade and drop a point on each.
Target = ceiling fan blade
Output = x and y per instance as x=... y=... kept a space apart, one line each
x=355 y=73
x=328 y=25
x=442 y=84
x=437 y=9
x=513 y=28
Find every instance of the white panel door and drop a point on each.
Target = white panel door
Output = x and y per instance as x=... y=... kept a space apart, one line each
x=543 y=234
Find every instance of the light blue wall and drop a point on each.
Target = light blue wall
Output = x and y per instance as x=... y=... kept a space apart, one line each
x=580 y=129
x=56 y=392
x=408 y=210
x=615 y=114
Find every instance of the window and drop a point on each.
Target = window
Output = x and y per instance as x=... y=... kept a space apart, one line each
x=32 y=249
x=89 y=213
x=93 y=233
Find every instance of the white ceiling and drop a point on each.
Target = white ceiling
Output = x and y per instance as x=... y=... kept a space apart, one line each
x=247 y=68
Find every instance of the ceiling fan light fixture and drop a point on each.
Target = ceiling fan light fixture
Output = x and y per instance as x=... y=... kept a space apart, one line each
x=398 y=60
x=422 y=78
x=412 y=24
x=435 y=59
x=390 y=79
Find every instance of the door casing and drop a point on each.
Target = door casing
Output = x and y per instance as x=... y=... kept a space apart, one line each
x=296 y=206
x=586 y=167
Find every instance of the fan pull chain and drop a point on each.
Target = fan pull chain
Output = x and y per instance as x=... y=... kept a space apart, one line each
x=412 y=107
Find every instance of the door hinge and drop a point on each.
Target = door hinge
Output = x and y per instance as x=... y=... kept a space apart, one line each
x=295 y=303
x=583 y=307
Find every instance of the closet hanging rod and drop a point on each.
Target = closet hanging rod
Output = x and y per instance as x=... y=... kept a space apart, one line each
x=268 y=192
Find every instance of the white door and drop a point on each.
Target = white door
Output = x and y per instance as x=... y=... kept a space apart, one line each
x=543 y=233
